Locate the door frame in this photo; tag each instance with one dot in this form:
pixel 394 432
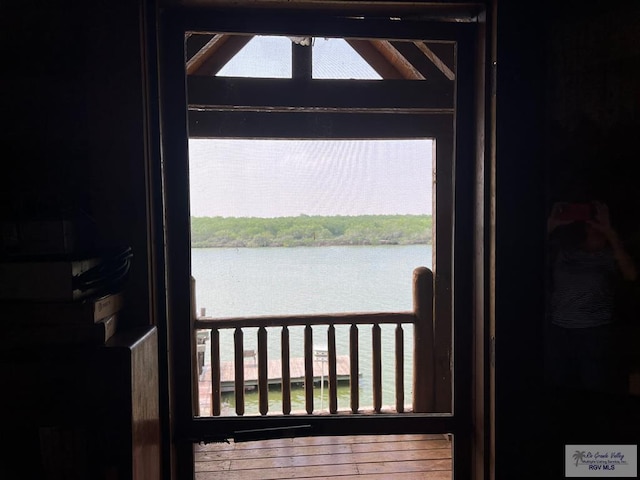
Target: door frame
pixel 174 22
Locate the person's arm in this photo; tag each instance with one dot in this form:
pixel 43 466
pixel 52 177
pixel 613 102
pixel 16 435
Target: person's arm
pixel 625 262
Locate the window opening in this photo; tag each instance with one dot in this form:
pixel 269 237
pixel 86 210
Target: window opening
pixel 263 57
pixel 299 227
pixel 334 58
pixel 285 170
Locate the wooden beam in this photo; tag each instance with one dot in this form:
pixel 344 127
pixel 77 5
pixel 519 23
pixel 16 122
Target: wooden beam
pixel 301 61
pixel 315 126
pixel 216 53
pixel 420 61
pixel 446 51
pixel 277 94
pixel 459 11
pixel 440 65
pixel 195 42
pixel 375 59
pixel 393 56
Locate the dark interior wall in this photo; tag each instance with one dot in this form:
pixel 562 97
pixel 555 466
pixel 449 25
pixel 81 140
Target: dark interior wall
pixel 73 136
pixel 593 114
pixel 591 152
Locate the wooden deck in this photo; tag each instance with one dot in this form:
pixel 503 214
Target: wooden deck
pixel 400 457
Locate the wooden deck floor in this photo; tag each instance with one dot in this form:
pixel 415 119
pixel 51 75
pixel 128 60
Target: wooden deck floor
pixel 400 457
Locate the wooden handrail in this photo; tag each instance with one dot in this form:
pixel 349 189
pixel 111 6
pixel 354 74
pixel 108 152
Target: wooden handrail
pixel 423 368
pixel 203 323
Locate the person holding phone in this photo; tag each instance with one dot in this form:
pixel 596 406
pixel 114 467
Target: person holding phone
pixel 587 262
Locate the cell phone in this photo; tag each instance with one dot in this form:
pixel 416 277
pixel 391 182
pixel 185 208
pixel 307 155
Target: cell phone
pixel 576 212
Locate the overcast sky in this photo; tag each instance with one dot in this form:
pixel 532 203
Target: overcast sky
pixel 272 178
pixel 271 57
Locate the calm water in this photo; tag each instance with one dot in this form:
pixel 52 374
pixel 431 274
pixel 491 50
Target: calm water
pixel 283 281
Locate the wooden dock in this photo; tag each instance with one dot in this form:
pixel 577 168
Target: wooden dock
pixel 274 375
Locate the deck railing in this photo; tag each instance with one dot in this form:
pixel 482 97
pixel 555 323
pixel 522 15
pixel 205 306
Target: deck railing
pixel 423 354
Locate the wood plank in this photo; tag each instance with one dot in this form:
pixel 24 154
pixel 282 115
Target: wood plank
pixel 281 473
pixel 403 445
pixel 437 475
pixel 302 446
pixel 432 460
pixel 434 475
pixel 411 466
pixel 320 440
pixel 369 457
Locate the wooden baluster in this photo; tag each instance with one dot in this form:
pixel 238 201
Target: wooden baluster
pixel 399 369
pixel 286 372
pixel 376 336
pixel 354 374
pixel 423 343
pixel 215 372
pixel 239 370
pixel 333 383
pixel 263 371
pixel 308 368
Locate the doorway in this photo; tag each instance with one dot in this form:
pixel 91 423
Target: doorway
pixel 302 108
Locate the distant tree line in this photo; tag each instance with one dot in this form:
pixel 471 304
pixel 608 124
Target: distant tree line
pixel 208 232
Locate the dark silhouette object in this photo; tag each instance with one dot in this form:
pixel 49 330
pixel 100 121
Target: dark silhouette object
pixel 587 265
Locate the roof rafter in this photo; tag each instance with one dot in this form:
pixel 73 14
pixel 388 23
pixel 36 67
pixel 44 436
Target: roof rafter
pixel 215 54
pixel 395 58
pixel 375 59
pixel 440 65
